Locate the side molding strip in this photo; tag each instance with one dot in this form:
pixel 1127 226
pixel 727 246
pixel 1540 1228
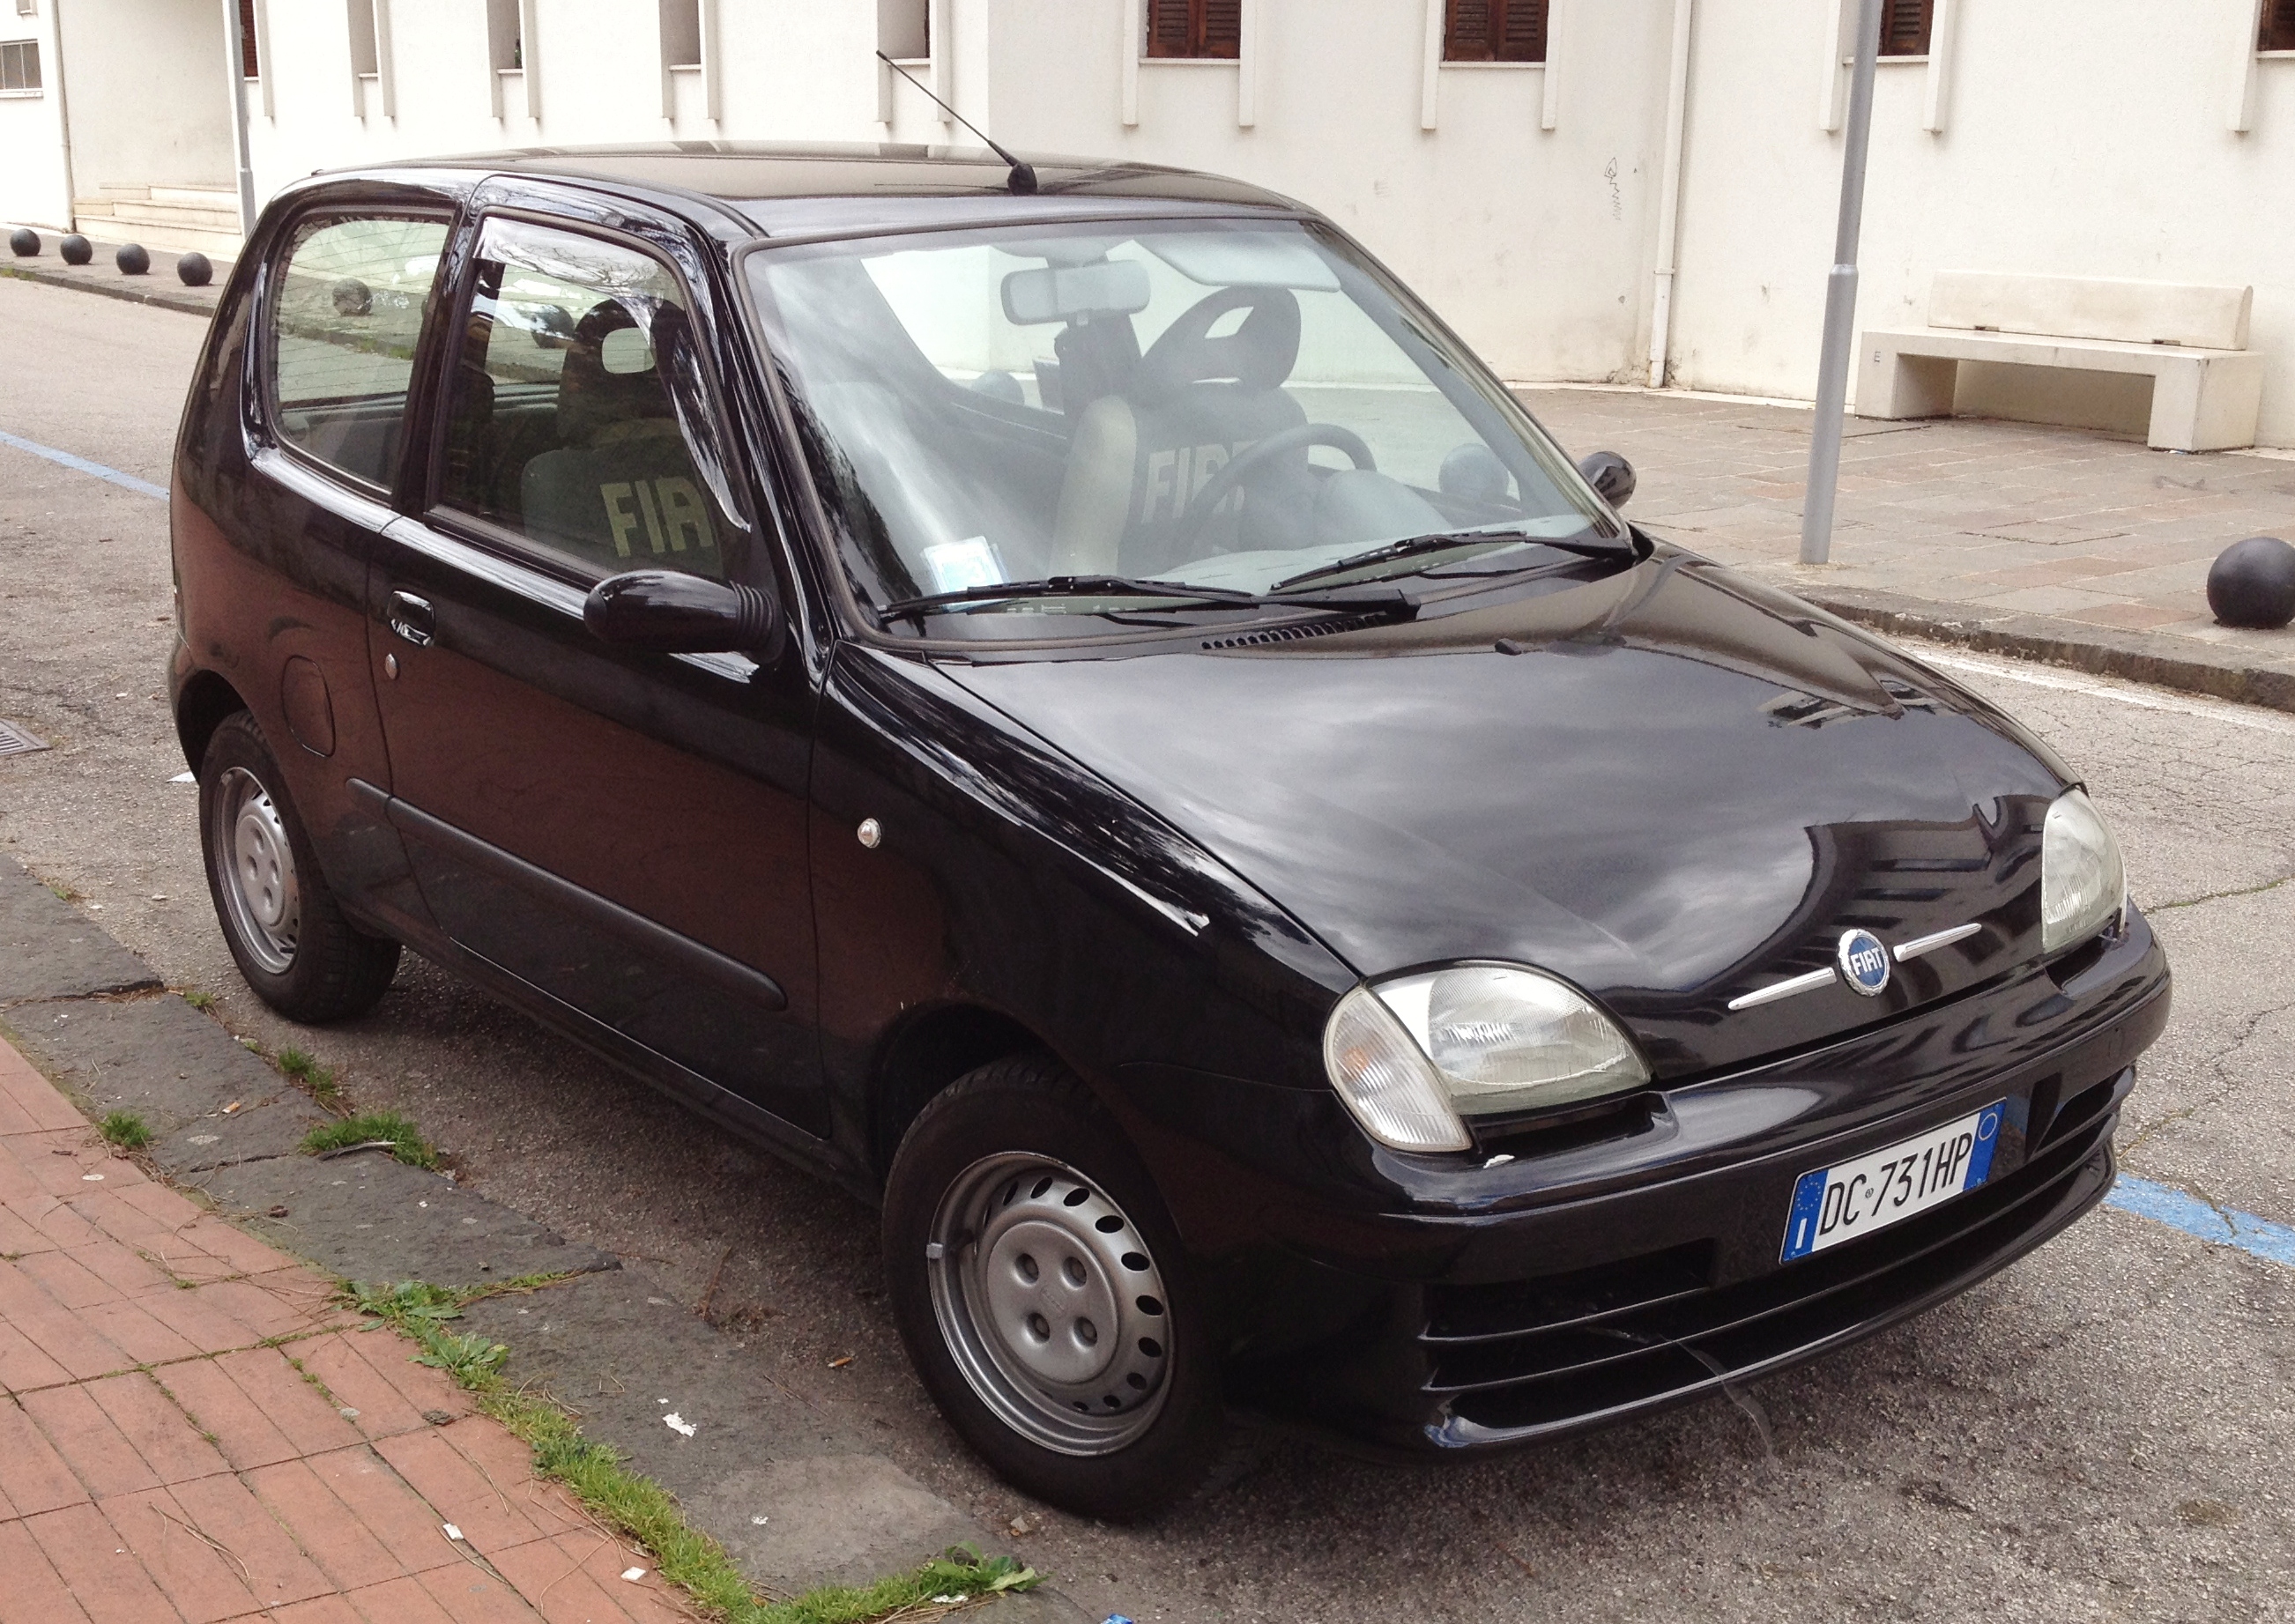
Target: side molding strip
pixel 705 963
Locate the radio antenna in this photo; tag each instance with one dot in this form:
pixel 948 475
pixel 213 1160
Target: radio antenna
pixel 1021 182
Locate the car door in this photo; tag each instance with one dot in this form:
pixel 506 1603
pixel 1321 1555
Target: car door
pixel 624 832
pixel 346 291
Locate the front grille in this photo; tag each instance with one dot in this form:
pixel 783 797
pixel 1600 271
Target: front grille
pixel 1543 1353
pixel 16 741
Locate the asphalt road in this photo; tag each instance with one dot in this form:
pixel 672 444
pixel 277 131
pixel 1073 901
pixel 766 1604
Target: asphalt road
pixel 2103 1431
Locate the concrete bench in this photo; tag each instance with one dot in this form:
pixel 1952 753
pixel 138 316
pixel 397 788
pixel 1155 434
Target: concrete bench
pixel 2207 386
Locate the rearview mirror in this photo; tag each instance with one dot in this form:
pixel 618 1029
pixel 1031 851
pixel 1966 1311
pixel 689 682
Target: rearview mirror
pixel 661 611
pixel 1611 475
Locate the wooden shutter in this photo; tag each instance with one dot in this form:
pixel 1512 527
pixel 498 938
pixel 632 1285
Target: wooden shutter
pixel 2278 26
pixel 1495 32
pixel 249 67
pixel 1905 26
pixel 1194 27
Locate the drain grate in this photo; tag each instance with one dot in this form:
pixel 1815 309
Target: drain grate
pixel 16 741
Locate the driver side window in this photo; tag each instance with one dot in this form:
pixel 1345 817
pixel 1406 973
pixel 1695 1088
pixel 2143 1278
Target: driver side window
pixel 574 417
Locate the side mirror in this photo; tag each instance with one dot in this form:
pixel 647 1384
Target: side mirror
pixel 663 612
pixel 1611 475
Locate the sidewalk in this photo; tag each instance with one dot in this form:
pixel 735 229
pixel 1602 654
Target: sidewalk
pixel 2061 544
pixel 189 1429
pixel 158 286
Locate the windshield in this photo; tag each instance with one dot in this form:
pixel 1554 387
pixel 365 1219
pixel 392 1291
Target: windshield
pixel 1211 405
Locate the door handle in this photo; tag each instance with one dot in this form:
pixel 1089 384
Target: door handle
pixel 413 619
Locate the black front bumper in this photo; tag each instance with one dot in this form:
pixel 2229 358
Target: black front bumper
pixel 1498 1307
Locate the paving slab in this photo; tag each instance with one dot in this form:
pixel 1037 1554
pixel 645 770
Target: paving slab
pixel 793 1489
pixel 2065 545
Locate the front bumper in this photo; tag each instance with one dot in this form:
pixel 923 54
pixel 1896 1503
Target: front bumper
pixel 1473 1307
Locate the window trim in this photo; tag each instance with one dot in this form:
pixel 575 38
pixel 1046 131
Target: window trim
pixel 1449 61
pixel 266 348
pixel 1146 42
pixel 427 505
pixel 27 93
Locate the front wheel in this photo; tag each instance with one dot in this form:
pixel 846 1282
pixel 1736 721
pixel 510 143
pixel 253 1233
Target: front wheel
pixel 278 917
pixel 1044 1297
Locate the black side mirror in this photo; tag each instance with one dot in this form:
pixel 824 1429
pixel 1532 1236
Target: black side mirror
pixel 1611 475
pixel 663 612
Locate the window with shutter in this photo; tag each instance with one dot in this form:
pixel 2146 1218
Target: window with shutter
pixel 2278 26
pixel 1905 27
pixel 247 65
pixel 1194 27
pixel 1495 32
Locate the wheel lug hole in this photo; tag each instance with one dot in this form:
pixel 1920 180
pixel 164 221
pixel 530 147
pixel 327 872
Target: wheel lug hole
pixel 1039 1327
pixel 1074 1269
pixel 1087 1332
pixel 1028 1269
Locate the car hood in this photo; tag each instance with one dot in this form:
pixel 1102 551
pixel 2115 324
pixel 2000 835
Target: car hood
pixel 1667 783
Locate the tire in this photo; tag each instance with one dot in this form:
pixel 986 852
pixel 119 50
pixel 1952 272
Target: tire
pixel 1045 1299
pixel 278 916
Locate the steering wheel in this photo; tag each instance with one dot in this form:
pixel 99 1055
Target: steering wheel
pixel 1215 489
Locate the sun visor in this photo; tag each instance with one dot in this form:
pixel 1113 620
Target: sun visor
pixel 1062 293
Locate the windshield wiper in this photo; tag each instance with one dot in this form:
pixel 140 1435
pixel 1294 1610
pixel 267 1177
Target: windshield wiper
pixel 1445 541
pixel 1125 586
pixel 1060 586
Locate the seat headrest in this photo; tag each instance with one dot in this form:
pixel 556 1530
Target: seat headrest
pixel 592 395
pixel 1259 355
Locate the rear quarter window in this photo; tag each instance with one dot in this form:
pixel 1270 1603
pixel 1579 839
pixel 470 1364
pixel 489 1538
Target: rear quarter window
pixel 346 314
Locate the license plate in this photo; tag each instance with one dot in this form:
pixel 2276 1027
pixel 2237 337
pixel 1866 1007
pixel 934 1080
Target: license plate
pixel 1839 1204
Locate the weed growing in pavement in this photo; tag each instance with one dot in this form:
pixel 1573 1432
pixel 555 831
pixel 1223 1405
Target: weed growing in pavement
pixel 125 1130
pixel 374 1127
pixel 306 1069
pixel 198 999
pixel 641 1508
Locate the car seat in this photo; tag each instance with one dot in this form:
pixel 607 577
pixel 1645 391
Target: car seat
pixel 1193 403
pixel 621 492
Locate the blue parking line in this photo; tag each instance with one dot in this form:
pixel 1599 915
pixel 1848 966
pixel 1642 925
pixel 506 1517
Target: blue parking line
pixel 141 488
pixel 2165 1204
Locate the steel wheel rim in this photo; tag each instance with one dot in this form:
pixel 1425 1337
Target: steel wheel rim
pixel 1051 1303
pixel 256 862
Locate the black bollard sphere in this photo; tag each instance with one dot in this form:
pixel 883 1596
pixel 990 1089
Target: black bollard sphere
pixel 194 270
pixel 77 250
pixel 130 259
pixel 24 242
pixel 2252 584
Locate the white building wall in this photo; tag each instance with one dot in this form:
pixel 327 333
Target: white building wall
pixel 33 190
pixel 148 91
pixel 2086 137
pixel 2083 138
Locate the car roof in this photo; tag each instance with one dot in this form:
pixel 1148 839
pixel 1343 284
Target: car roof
pixel 794 188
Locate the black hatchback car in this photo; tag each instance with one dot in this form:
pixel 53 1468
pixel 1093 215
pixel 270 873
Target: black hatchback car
pixel 1088 716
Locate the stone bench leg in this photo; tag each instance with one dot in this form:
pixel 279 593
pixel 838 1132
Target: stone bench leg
pixel 2209 404
pixel 1892 384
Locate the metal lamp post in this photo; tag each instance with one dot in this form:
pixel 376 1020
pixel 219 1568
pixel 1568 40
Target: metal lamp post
pixel 1841 302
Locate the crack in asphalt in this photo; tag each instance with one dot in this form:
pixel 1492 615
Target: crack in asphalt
pixel 2157 909
pixel 2213 1063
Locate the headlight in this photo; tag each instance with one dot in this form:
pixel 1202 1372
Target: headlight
pixel 2082 883
pixel 1413 1056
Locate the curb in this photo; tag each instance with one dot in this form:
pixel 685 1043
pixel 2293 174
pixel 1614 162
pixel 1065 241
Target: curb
pixel 98 276
pixel 2153 657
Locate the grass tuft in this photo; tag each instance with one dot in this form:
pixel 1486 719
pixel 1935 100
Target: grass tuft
pixel 406 1143
pixel 198 999
pixel 125 1130
pixel 636 1506
pixel 305 1068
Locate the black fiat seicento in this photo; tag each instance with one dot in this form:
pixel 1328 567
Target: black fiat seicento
pixel 1088 716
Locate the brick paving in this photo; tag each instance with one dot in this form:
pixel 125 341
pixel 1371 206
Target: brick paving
pixel 192 1432
pixel 2086 536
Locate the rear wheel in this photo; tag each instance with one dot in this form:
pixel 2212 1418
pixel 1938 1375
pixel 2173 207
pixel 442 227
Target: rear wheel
pixel 278 917
pixel 1044 1297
